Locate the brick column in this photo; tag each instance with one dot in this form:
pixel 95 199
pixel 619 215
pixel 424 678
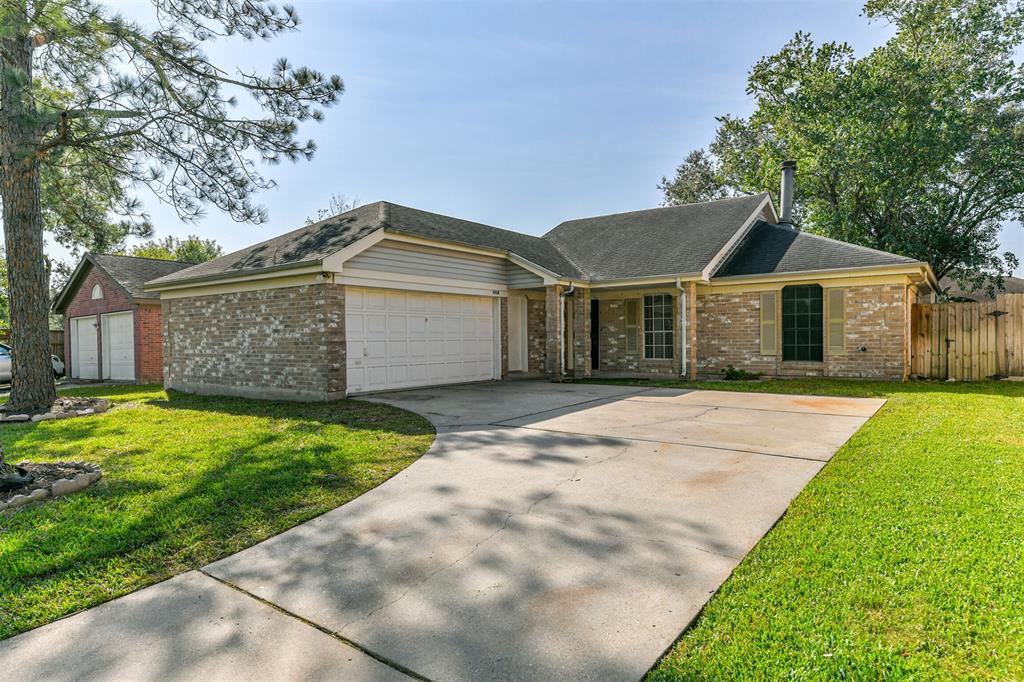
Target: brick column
pixel 503 306
pixel 691 329
pixel 581 333
pixel 554 331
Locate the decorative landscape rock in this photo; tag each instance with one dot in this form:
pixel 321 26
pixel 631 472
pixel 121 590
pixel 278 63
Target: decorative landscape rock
pixel 52 479
pixel 62 408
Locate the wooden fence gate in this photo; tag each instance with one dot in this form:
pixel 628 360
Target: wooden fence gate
pixel 968 341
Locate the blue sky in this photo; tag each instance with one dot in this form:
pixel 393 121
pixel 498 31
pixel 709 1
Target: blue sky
pixel 521 114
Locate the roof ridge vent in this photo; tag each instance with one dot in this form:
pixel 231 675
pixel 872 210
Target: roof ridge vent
pixel 383 212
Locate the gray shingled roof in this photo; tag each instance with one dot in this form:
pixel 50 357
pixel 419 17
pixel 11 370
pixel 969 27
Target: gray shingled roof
pixel 655 242
pixel 128 271
pixel 769 249
pixel 658 241
pixel 435 226
pixel 132 272
pixel 312 243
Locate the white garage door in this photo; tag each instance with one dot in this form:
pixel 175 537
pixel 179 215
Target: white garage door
pixel 84 350
pixel 118 346
pixel 401 339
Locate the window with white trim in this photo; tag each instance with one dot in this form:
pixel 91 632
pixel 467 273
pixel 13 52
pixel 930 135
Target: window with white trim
pixel 658 336
pixel 97 292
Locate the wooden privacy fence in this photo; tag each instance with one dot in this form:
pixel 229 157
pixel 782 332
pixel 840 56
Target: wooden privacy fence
pixel 56 340
pixel 968 341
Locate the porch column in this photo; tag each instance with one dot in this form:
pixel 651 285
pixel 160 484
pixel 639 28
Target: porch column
pixel 691 330
pixel 554 332
pixel 581 333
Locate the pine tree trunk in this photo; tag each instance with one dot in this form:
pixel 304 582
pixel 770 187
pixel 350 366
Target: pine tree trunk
pixel 32 384
pixel 5 468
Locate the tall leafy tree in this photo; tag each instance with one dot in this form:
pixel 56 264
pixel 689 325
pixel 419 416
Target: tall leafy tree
pixel 192 249
pixel 913 148
pixel 103 104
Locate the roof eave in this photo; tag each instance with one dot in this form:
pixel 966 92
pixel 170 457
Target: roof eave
pixel 158 285
pixel 909 267
pixel 646 279
pixel 59 304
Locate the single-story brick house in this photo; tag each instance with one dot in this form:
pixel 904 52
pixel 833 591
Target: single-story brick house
pixel 385 297
pixel 113 328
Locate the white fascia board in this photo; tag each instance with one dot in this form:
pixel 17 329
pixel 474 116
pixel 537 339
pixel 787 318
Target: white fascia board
pixel 724 252
pixel 641 281
pixel 545 274
pixel 255 277
pixel 915 268
pixel 333 262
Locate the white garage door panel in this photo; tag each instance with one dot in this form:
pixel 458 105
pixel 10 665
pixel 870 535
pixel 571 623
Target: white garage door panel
pixel 118 346
pixel 84 349
pixel 401 339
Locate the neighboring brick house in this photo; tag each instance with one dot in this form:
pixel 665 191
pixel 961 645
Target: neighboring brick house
pixel 113 327
pixel 384 297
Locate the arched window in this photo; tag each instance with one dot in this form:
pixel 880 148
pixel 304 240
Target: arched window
pixel 97 292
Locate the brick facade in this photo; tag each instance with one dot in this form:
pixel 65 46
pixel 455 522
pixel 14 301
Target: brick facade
pixel 581 333
pixel 149 343
pixel 614 358
pixel 553 332
pixel 147 322
pixel 286 343
pixel 536 336
pixel 729 333
pixel 503 325
pixel 876 320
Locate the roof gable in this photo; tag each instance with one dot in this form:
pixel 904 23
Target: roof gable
pixel 655 242
pixel 313 243
pixel 128 272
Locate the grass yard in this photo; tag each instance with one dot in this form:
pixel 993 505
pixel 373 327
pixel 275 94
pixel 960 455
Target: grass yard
pixel 902 559
pixel 186 480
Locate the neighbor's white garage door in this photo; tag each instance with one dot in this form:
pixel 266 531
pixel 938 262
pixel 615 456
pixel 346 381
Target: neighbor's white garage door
pixel 118 346
pixel 401 339
pixel 84 349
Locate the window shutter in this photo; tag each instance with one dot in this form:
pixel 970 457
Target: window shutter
pixel 769 332
pixel 632 326
pixel 837 319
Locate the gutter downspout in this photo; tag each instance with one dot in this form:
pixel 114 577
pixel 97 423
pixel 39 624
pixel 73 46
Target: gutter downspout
pixel 561 326
pixel 682 327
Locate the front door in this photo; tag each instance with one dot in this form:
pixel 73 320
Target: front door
pixel 595 334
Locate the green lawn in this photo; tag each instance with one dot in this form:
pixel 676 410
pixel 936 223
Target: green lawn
pixel 902 559
pixel 187 480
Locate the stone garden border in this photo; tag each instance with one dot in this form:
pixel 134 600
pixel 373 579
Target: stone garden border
pixel 96 406
pixel 65 486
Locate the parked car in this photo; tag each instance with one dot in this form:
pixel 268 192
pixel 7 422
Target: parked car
pixel 5 364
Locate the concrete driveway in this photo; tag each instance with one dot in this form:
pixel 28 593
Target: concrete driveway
pixel 553 531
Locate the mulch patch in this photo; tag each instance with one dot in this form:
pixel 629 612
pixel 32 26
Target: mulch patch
pixel 46 473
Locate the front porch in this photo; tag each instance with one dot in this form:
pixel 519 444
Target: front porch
pixel 577 332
